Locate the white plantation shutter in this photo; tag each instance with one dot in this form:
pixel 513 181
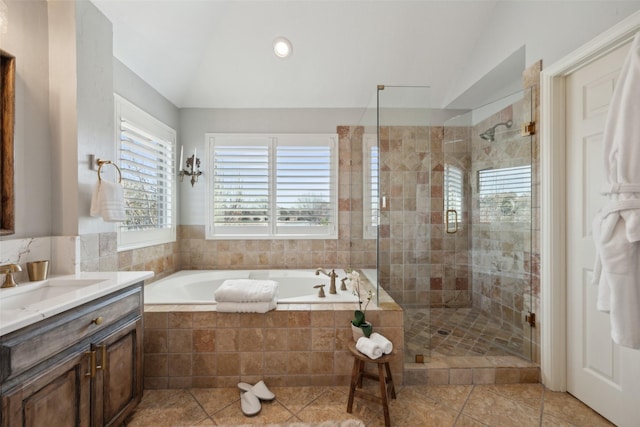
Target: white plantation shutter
pixel 453 194
pixel 145 156
pixel 371 194
pixel 240 182
pixel 272 186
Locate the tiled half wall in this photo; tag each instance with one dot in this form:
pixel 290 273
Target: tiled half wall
pixel 295 345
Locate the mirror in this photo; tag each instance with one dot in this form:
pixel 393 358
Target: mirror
pixel 7 105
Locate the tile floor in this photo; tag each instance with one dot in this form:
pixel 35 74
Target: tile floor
pixel 438 332
pixel 450 405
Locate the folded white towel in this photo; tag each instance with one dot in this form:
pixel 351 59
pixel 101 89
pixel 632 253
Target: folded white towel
pixel 384 343
pixel 107 201
pixel 246 307
pixel 246 290
pixel 369 348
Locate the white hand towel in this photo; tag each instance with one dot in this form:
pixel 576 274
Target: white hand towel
pixel 246 307
pixel 384 343
pixel 108 200
pixel 246 290
pixel 369 348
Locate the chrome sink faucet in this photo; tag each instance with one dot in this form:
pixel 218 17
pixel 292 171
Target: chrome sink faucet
pixel 9 269
pixel 332 276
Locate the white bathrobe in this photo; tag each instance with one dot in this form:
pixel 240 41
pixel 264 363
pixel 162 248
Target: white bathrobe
pixel 616 227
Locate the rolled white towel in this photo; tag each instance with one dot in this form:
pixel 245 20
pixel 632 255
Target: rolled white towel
pixel 384 343
pixel 369 348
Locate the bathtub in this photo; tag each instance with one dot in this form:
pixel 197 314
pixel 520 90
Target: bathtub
pixel 198 286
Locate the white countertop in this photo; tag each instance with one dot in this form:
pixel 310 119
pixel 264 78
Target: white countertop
pixel 31 302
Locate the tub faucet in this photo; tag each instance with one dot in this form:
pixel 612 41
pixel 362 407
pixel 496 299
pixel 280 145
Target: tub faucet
pixel 320 290
pixel 9 269
pixel 332 276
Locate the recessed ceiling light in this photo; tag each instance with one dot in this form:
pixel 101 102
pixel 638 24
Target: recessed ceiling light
pixel 282 47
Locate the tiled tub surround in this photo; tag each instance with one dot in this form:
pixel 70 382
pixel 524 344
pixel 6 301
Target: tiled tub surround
pixel 294 345
pixel 99 252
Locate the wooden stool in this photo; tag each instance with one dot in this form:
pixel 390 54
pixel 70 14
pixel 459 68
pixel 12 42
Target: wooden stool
pixel 358 373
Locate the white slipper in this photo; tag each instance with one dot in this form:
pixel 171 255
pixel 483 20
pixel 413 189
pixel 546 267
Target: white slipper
pixel 249 403
pixel 260 390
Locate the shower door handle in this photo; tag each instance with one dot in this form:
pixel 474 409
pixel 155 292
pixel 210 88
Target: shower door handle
pixel 455 221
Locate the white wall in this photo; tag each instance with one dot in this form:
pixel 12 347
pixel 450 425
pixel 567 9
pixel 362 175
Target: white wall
pixel 548 30
pixel 95 117
pixel 131 87
pixel 27 40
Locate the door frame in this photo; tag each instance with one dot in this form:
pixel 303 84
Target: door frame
pixel 553 333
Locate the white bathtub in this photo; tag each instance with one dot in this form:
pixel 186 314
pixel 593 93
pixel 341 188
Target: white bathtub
pixel 198 286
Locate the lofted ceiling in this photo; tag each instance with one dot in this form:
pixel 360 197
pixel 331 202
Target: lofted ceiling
pixel 219 54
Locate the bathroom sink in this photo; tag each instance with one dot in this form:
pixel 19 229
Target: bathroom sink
pixel 28 294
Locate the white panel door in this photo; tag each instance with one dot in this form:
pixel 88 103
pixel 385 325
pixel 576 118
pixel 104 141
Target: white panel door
pixel 600 373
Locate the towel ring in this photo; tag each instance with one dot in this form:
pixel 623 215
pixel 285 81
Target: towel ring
pixel 108 162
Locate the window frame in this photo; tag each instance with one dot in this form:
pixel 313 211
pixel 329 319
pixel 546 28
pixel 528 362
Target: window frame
pixel 133 239
pixel 272 230
pixel 500 193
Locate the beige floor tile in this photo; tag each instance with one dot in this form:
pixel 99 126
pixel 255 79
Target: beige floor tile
pixel 459 405
pixel 176 410
pixel 215 399
pixel 567 408
pixel 418 412
pixel 464 421
pixel 297 398
pixel 453 396
pixel 551 421
pixel 156 398
pixel 496 410
pixel 527 394
pixel 332 405
pixel 271 413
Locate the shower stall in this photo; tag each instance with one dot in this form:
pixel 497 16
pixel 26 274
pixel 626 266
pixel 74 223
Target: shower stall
pixel 450 209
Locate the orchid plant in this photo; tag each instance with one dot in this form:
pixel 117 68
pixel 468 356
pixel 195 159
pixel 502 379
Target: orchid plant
pixel 359 319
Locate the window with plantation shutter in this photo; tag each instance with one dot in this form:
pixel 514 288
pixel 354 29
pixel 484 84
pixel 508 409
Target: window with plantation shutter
pixel 505 194
pixel 453 195
pixel 146 148
pixel 371 195
pixel 272 186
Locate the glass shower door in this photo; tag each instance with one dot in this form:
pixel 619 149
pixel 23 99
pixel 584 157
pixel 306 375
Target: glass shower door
pixel 404 195
pixel 480 304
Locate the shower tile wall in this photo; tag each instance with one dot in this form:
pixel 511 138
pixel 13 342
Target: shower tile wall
pixel 450 276
pixel 404 237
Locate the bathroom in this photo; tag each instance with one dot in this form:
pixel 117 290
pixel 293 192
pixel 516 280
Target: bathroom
pixel 54 178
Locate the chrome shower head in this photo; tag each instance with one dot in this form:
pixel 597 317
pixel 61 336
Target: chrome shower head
pixel 489 134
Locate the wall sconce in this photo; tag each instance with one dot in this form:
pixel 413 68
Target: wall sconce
pixel 193 167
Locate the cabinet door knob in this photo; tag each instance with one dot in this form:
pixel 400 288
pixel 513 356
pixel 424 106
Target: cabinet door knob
pixel 97 320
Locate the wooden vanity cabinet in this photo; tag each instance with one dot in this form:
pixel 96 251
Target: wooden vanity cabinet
pixel 92 378
pixel 117 388
pixel 57 397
